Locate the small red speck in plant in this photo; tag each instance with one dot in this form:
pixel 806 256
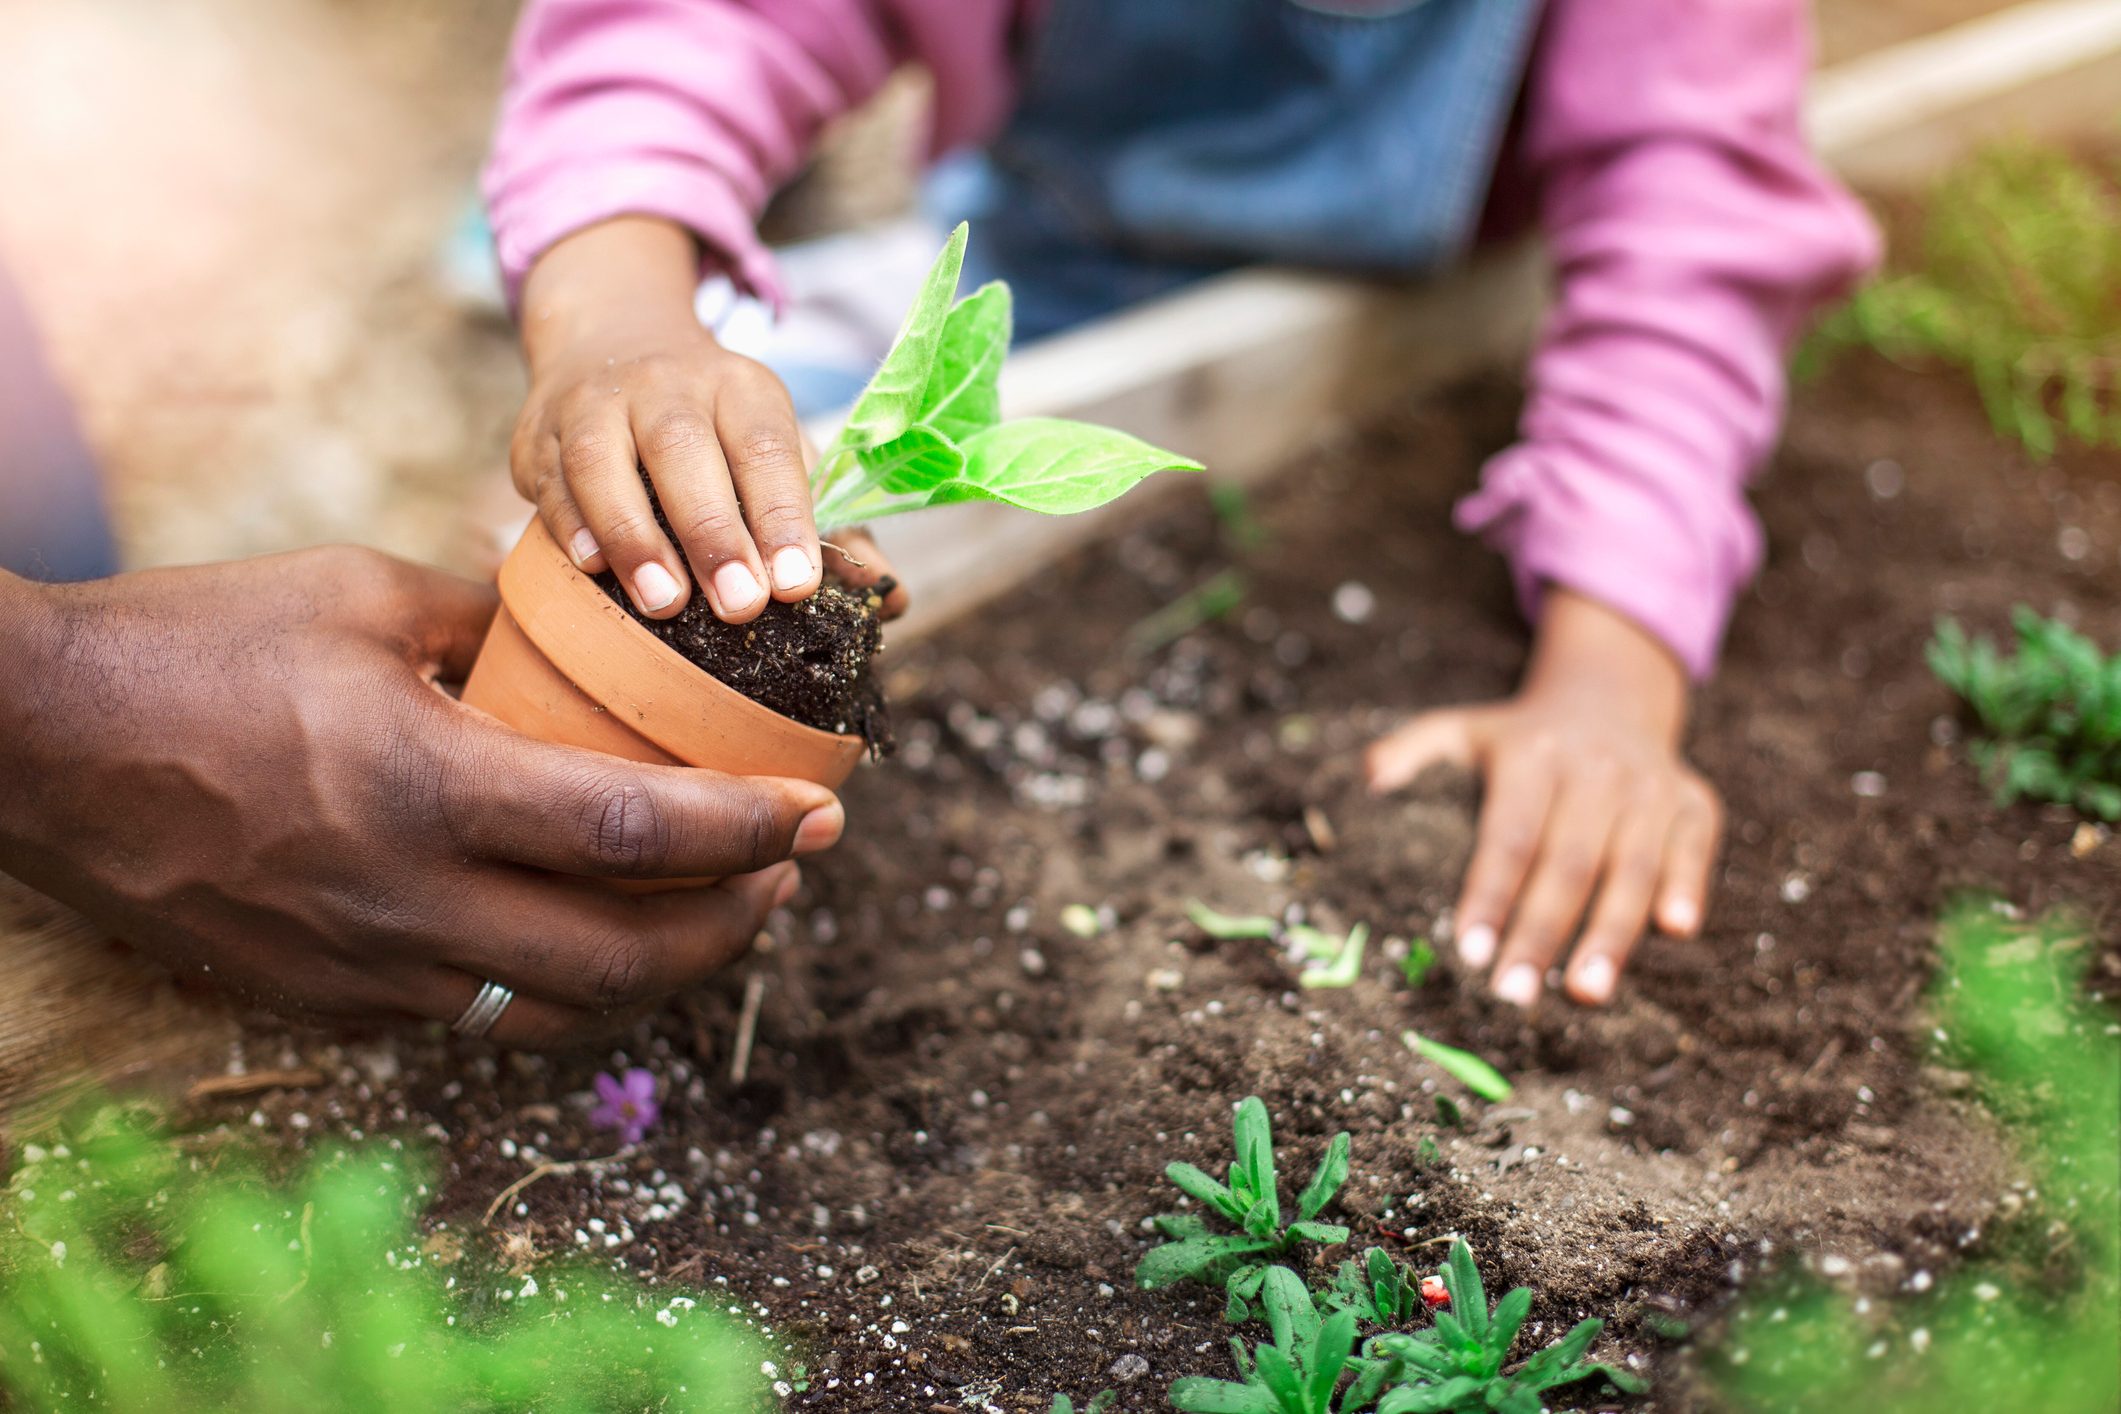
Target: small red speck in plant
pixel 1434 1293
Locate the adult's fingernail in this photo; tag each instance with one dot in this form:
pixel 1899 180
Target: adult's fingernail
pixel 583 547
pixel 792 568
pixel 654 587
pixel 1519 986
pixel 1594 979
pixel 790 882
pixel 1680 915
pixel 820 829
pixel 1477 945
pixel 736 586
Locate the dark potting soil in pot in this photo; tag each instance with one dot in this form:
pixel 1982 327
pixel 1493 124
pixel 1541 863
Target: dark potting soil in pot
pixel 809 661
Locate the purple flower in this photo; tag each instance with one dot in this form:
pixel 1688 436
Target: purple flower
pixel 628 1104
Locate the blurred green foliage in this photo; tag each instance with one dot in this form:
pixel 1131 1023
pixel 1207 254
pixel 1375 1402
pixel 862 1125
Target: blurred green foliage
pixel 2036 1328
pixel 2015 277
pixel 2051 712
pixel 139 1272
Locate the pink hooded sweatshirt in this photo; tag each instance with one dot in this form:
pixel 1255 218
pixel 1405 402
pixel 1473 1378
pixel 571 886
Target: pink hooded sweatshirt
pixel 1658 142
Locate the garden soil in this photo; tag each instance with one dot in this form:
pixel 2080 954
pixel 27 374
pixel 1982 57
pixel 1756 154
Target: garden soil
pixel 934 1175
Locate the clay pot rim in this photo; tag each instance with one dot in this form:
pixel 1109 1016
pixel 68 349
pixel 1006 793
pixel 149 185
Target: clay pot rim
pixel 538 563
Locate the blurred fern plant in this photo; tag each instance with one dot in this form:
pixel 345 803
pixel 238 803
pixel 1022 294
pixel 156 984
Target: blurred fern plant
pixel 2051 711
pixel 2017 281
pixel 138 1273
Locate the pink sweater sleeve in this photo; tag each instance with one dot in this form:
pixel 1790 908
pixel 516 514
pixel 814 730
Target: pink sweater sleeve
pixel 1692 234
pixel 695 110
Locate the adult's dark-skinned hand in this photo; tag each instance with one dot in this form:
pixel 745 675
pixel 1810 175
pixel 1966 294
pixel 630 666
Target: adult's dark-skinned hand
pixel 246 770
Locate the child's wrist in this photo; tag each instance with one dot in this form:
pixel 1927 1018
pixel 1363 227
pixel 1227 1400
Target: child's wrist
pixel 631 277
pixel 1586 646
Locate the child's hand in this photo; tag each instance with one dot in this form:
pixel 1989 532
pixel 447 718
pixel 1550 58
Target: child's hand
pixel 1585 789
pixel 624 377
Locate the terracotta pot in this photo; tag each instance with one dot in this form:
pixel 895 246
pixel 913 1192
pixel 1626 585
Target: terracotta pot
pixel 564 663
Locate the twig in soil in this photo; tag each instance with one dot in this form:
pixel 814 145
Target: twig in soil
pixel 1825 1058
pixel 215 1087
pixel 543 1170
pixel 747 1028
pixel 1003 1262
pixel 1211 599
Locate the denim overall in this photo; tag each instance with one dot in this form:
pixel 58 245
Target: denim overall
pixel 1158 141
pixel 52 524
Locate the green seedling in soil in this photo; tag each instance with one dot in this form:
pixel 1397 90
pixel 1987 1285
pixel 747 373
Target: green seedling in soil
pixel 1249 1202
pixel 1213 598
pixel 1345 964
pixel 1468 1069
pixel 1428 1154
pixel 928 429
pixel 1233 509
pixel 1377 1289
pixel 1455 1366
pixel 1225 927
pixel 1081 920
pixel 1298 1373
pixel 1097 1405
pixel 1420 959
pixel 2016 281
pixel 1448 1113
pixel 142 1272
pixel 2051 712
pixel 2034 1321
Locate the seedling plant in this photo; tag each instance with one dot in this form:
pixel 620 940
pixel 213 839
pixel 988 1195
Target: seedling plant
pixel 1316 1359
pixel 2051 712
pixel 928 430
pixel 1250 1202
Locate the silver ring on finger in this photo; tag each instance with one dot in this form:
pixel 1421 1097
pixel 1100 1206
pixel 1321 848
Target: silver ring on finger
pixel 484 1011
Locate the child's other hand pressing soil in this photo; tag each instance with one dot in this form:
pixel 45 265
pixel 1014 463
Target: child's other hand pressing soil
pixel 1586 792
pixel 624 377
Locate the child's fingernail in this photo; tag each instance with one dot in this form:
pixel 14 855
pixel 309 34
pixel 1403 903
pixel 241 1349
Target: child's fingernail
pixel 1681 916
pixel 1477 944
pixel 583 546
pixel 1594 979
pixel 792 568
pixel 1519 986
pixel 736 586
pixel 657 590
pixel 820 829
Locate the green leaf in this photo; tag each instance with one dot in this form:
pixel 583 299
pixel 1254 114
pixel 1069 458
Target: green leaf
pixel 1225 926
pixel 1345 967
pixel 1202 1188
pixel 1053 466
pixel 1179 1226
pixel 892 401
pixel 1469 1300
pixel 1291 1316
pixel 915 460
pixel 1180 1261
pixel 1508 1318
pixel 1255 1154
pixel 1429 1399
pixel 1327 1234
pixel 1196 1394
pixel 1278 1373
pixel 1317 944
pixel 1468 1069
pixel 1332 1173
pixel 1336 1342
pixel 1416 965
pixel 962 395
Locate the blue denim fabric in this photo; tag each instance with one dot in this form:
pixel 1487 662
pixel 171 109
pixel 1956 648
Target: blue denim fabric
pixel 52 522
pixel 1158 141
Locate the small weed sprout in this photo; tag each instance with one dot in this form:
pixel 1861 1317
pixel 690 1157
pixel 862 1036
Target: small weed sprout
pixel 1419 961
pixel 1468 1069
pixel 1455 1366
pixel 2051 711
pixel 1377 1289
pixel 1251 1203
